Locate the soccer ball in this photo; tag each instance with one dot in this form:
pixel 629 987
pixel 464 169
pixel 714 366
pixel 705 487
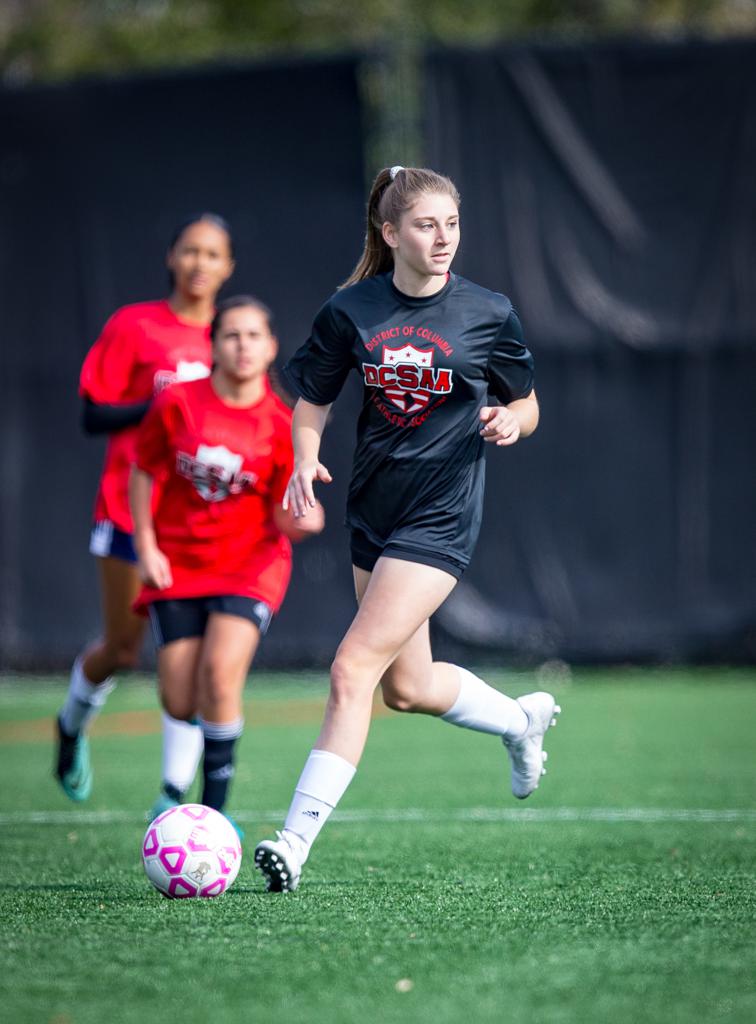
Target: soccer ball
pixel 191 850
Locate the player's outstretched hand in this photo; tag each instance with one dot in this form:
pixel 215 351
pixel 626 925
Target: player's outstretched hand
pixel 299 496
pixel 155 569
pixel 500 425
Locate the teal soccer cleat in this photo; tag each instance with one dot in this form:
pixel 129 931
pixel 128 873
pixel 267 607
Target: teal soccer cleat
pixel 163 802
pixel 73 770
pixel 236 826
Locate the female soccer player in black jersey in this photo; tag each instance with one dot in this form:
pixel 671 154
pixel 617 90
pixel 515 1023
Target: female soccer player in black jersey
pixel 429 347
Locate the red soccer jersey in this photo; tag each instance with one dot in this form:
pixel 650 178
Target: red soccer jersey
pixel 141 350
pixel 223 471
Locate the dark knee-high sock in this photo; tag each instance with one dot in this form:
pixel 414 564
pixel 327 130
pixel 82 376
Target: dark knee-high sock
pixel 218 763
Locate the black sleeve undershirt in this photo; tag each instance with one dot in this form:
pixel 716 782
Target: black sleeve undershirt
pixel 98 418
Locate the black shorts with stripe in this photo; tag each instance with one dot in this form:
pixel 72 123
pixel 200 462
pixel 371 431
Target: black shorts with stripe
pixel 184 617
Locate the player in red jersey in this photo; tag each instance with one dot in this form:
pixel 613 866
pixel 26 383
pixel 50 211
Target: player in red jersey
pixel 215 555
pixel 142 349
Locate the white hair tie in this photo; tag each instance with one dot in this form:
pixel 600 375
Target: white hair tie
pixel 395 170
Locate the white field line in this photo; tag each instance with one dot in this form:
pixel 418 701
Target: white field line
pixel 548 815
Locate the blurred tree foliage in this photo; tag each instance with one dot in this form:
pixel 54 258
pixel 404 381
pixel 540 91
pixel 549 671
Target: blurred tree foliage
pixel 57 39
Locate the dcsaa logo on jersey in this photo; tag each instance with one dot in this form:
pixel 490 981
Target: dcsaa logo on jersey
pixel 186 370
pixel 216 472
pixel 408 378
pixel 191 370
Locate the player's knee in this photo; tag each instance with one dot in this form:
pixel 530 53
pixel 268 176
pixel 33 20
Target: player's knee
pixel 399 701
pixel 178 706
pixel 400 696
pixel 405 690
pixel 348 683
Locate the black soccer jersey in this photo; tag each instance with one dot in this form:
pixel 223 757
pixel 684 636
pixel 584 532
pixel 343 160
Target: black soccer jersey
pixel 426 365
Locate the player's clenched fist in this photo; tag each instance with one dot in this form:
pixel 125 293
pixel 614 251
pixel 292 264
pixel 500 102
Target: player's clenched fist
pixel 155 569
pixel 500 425
pixel 298 528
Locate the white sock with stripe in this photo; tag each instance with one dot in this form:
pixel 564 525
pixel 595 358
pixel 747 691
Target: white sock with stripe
pixel 482 708
pixel 324 780
pixel 84 699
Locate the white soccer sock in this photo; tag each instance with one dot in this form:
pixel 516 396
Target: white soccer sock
pixel 84 699
pixel 183 744
pixel 484 709
pixel 321 785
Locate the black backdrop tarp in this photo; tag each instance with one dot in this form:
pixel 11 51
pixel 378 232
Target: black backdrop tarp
pixel 93 179
pixel 609 190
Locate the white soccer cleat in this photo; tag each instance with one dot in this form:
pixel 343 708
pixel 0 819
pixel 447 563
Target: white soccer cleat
pixel 279 864
pixel 526 753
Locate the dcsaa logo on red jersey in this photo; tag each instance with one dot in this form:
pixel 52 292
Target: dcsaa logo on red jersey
pixel 408 378
pixel 185 370
pixel 216 472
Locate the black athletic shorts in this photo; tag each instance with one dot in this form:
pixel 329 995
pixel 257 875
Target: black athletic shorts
pixel 107 541
pixel 365 553
pixel 180 618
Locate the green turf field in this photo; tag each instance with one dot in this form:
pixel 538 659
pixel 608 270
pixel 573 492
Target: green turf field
pixel 622 891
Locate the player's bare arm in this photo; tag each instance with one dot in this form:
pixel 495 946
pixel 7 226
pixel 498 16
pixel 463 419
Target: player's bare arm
pixel 154 567
pixel 307 429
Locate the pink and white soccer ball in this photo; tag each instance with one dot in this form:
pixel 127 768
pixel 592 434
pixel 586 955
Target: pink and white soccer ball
pixel 191 850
